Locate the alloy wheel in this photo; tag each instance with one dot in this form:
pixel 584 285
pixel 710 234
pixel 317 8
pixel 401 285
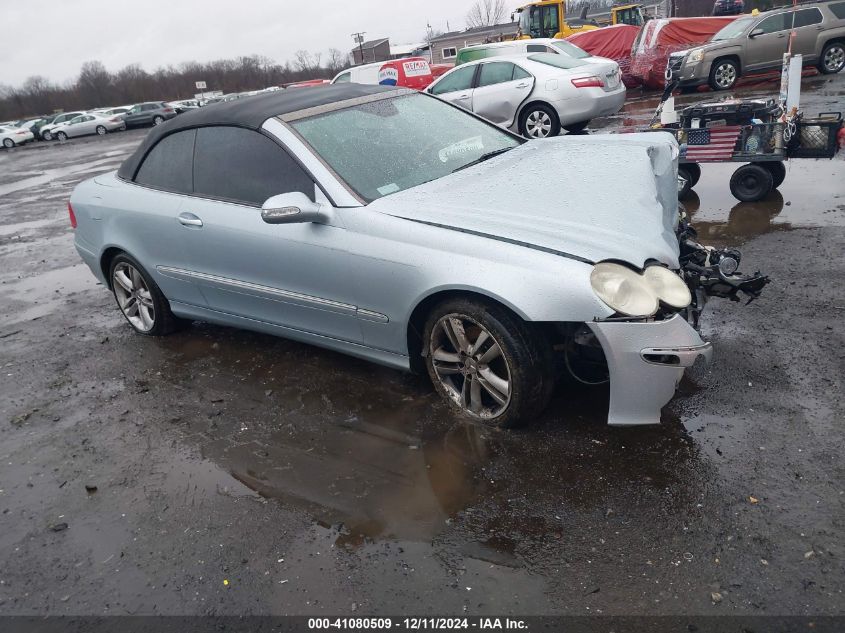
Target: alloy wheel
pixel 158 120
pixel 8 143
pixel 725 75
pixel 470 365
pixel 61 136
pixel 134 297
pixel 47 136
pixel 538 124
pixel 101 130
pixel 834 58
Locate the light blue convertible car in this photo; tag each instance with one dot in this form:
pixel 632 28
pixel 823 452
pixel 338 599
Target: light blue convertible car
pixel 392 226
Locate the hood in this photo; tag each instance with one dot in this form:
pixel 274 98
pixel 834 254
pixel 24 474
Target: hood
pixel 587 197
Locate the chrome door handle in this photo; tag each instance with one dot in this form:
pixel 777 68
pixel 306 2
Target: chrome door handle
pixel 781 35
pixel 522 85
pixel 462 97
pixel 189 219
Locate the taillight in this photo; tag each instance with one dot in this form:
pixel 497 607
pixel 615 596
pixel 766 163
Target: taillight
pixel 587 82
pixel 71 215
pixel 167 110
pixel 115 120
pixel 21 132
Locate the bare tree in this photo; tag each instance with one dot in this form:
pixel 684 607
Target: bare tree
pixel 306 62
pixel 337 61
pixel 486 13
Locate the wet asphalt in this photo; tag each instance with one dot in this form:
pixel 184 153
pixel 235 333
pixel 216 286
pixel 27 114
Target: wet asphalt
pixel 218 471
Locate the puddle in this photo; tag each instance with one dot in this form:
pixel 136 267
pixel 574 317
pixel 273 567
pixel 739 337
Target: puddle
pixel 50 175
pixel 14 229
pixel 40 295
pixel 372 454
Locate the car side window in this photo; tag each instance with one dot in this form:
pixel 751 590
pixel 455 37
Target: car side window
pixel 460 79
pixel 838 10
pixel 169 164
pixel 773 24
pixel 344 78
pixel 495 73
pixel 520 73
pixel 245 166
pixel 536 48
pixel 807 17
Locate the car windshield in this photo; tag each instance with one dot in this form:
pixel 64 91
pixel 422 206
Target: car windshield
pixel 558 61
pixel 567 48
pixel 733 29
pixel 391 144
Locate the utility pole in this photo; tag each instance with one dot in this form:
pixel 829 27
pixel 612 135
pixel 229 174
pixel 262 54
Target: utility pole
pixel 359 39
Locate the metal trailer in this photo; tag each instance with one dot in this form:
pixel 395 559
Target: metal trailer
pixel 763 147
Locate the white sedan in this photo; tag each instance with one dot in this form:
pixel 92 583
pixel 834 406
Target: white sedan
pixel 89 123
pixel 12 136
pixel 536 94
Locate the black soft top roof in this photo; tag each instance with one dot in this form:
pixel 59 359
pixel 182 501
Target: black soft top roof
pixel 249 112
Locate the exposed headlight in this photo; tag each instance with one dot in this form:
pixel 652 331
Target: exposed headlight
pixel 634 294
pixel 668 286
pixel 695 55
pixel 623 289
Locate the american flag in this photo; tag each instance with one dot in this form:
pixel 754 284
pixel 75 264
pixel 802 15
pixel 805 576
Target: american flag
pixel 712 144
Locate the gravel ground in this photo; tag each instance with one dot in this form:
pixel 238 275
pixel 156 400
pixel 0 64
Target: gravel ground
pixel 217 471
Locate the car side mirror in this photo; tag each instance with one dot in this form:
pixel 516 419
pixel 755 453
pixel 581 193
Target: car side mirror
pixel 755 33
pixel 292 208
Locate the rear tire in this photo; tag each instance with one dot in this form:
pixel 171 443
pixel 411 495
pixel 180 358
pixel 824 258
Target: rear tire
pixel 8 143
pixel 140 300
pixel 778 171
pixel 833 58
pixel 751 183
pixel 47 136
pixel 487 363
pixel 101 130
pixel 158 120
pixel 539 121
pixel 574 128
pixel 723 74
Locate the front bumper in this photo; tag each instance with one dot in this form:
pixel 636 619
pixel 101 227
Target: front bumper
pixel 646 360
pixel 688 74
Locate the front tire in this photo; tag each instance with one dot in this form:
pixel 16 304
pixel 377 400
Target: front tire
pixel 723 74
pixel 833 58
pixel 751 183
pixel 61 136
pixel 487 363
pixel 539 121
pixel 140 300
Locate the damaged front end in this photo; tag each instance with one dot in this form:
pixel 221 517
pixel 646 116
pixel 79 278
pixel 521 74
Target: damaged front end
pixel 712 272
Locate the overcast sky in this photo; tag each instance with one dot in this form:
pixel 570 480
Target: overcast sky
pixel 54 37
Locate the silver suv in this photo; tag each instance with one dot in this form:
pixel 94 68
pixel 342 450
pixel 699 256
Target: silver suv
pixel 755 43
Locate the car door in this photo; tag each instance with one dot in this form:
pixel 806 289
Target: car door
pixel 500 89
pixel 85 125
pixel 456 86
pixel 147 225
pixel 293 275
pixel 808 25
pixel 767 42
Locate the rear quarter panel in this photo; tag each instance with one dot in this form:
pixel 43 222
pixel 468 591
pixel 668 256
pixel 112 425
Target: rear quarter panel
pixel 114 214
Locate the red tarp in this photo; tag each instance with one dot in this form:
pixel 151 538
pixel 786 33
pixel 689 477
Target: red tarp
pixel 613 42
pixel 659 38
